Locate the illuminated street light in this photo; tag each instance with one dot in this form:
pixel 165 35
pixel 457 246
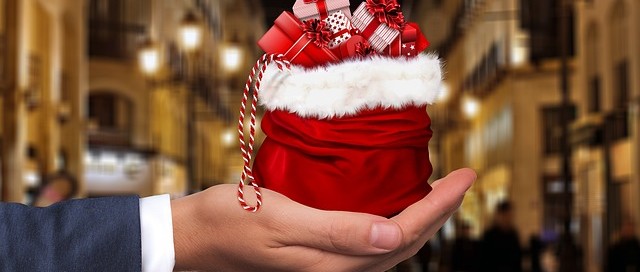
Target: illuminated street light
pixel 190 32
pixel 228 137
pixel 470 107
pixel 232 56
pixel 149 58
pixel 519 53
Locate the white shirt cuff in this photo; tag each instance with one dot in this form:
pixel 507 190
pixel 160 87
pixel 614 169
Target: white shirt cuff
pixel 157 234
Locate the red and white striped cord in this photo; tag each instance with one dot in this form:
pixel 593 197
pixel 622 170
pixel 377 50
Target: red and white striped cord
pixel 259 67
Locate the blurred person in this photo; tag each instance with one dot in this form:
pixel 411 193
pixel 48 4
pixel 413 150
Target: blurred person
pixel 549 260
pixel 464 252
pixel 210 231
pixel 500 246
pixel 624 255
pixel 536 247
pixel 56 188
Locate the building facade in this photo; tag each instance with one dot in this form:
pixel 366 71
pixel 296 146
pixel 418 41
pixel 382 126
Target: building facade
pixel 43 78
pixel 605 134
pixel 500 113
pixel 79 93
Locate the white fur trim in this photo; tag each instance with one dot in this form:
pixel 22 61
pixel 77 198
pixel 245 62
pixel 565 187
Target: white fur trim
pixel 343 89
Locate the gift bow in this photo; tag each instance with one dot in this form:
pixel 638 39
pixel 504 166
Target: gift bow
pixel 387 12
pixel 318 32
pixel 364 49
pixel 310 1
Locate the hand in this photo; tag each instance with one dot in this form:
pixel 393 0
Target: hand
pixel 212 232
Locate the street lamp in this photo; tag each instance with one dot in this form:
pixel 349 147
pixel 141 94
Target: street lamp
pixel 232 57
pixel 228 138
pixel 149 58
pixel 470 107
pixel 190 32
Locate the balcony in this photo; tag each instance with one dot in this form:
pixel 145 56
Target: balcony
pixel 616 125
pixel 109 137
pixel 594 129
pixel 115 40
pixel 587 131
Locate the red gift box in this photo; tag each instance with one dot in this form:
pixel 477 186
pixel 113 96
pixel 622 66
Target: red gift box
pixel 380 26
pixel 288 37
pixel 349 48
pixel 410 43
pixel 356 46
pixel 320 9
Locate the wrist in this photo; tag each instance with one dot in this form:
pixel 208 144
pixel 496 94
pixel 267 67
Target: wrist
pixel 184 234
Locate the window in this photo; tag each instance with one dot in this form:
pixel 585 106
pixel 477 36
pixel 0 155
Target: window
pixel 117 27
pixel 102 110
pixel 110 116
pixel 621 82
pixel 620 54
pixel 593 69
pixel 541 18
pixel 594 94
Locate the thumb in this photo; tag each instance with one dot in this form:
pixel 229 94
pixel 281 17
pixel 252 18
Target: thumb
pixel 446 197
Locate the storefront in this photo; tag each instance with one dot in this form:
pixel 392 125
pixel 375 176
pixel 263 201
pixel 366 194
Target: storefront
pixel 127 172
pixel 117 172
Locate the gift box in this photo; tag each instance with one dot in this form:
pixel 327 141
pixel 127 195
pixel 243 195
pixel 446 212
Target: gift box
pixel 348 49
pixel 352 136
pixel 410 43
pixel 297 43
pixel 380 21
pixel 356 46
pixel 320 9
pixel 340 27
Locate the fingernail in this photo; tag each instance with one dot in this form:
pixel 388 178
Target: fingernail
pixel 385 235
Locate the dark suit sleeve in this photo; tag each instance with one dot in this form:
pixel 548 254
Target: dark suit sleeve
pixel 80 235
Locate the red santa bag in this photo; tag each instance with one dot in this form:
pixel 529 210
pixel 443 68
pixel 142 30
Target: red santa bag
pixel 351 136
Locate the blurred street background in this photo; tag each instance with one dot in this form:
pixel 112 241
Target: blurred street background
pixel 542 99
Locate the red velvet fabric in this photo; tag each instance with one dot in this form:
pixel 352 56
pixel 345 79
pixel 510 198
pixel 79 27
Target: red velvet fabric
pixel 375 162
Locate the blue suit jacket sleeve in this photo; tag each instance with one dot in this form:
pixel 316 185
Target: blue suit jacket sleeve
pixel 100 234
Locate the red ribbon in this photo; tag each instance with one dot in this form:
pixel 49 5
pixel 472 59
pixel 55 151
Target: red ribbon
pixel 297 48
pixel 352 31
pixel 318 32
pixel 339 33
pixel 322 7
pixel 387 12
pixel 315 31
pixel 368 31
